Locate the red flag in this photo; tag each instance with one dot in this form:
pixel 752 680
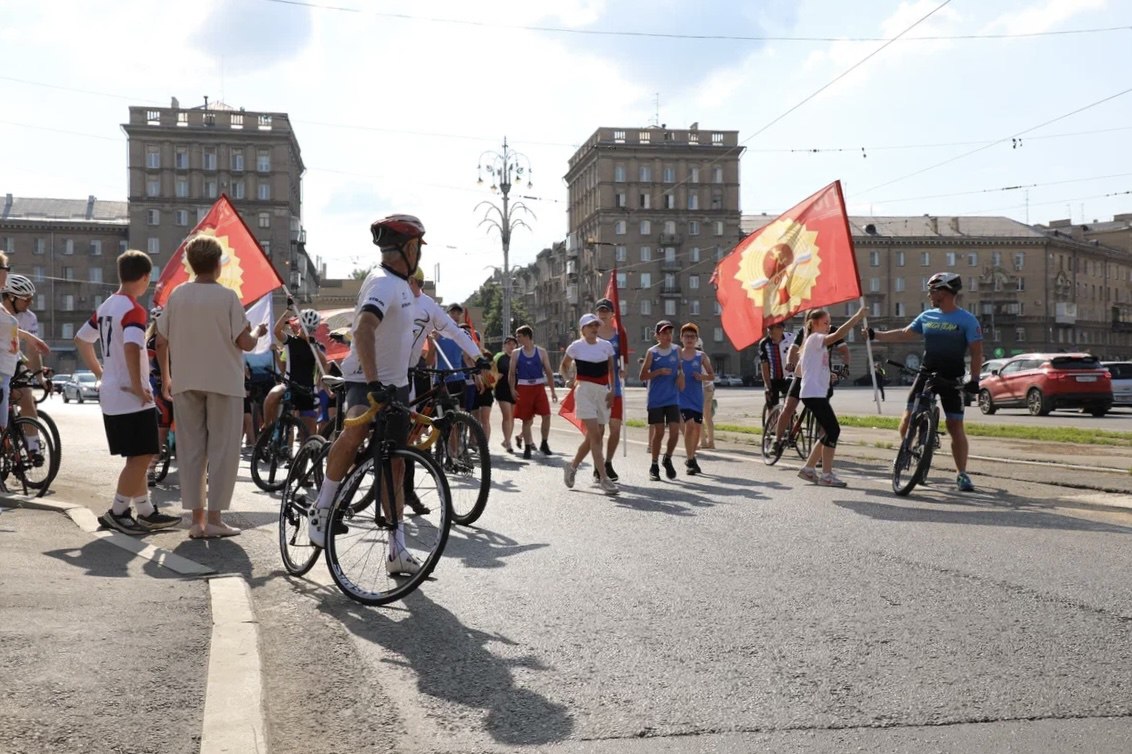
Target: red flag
pixel 622 337
pixel 245 268
pixel 566 411
pixel 802 260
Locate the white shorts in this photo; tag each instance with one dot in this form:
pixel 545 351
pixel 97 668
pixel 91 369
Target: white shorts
pixel 589 401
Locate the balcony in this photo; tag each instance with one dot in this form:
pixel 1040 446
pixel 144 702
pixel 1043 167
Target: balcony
pixel 670 290
pixel 671 265
pixel 1065 313
pixel 669 239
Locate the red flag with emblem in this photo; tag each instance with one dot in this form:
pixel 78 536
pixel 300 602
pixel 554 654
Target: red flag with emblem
pixel 622 337
pixel 244 267
pixel 804 259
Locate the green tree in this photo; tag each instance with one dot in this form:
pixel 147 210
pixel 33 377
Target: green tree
pixel 359 273
pixel 490 297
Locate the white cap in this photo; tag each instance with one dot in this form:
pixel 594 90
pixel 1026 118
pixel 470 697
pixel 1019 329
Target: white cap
pixel 588 319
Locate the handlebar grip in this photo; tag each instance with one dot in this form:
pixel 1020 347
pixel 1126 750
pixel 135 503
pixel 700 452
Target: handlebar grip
pixel 895 363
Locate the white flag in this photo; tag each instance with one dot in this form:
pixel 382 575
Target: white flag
pixel 260 313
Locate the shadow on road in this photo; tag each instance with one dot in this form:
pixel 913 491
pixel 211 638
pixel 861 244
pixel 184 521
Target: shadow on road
pixel 484 548
pixel 452 662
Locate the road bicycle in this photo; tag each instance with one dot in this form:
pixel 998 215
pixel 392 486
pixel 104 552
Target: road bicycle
pixel 25 380
pixel 279 441
pixel 34 469
pixel 165 456
pixel 921 437
pixel 801 435
pixel 357 541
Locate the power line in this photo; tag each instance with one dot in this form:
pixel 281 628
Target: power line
pixel 1002 188
pixel 693 37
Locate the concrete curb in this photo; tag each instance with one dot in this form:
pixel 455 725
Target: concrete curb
pixel 233 702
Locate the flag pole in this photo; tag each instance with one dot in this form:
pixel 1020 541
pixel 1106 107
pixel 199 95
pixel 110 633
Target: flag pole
pixel 872 364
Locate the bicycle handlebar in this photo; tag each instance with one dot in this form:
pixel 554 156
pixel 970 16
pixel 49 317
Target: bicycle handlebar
pixel 376 406
pixel 445 372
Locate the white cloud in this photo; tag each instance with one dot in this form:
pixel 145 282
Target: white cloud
pixel 1042 17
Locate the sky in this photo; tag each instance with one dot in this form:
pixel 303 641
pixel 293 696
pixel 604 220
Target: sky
pixel 1019 108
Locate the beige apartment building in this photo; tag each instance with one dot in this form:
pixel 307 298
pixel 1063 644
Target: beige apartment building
pixel 181 160
pixel 68 248
pixel 662 206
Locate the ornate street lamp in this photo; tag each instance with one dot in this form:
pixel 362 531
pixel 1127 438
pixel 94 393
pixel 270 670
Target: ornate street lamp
pixel 503 168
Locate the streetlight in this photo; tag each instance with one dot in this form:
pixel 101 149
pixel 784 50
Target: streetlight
pixel 503 168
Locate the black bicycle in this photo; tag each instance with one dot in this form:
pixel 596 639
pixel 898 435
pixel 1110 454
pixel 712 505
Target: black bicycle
pixel 801 435
pixel 279 441
pixel 921 437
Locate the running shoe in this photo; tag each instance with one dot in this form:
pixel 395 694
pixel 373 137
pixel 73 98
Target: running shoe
pixel 830 480
pixel 810 475
pixel 124 522
pixel 608 487
pixel 609 472
pixel 316 526
pixel 402 564
pixel 669 469
pixel 544 448
pixel 964 483
pixel 568 474
pixel 693 467
pixel 654 472
pixel 158 520
pixel 527 452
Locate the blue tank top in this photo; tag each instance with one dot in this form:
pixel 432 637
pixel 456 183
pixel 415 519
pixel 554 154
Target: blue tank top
pixel 662 388
pixel 615 341
pixel 692 396
pixel 528 369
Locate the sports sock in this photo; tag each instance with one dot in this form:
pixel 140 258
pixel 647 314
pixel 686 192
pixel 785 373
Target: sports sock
pixel 327 492
pixel 142 505
pixel 33 444
pixel 397 541
pixel 121 504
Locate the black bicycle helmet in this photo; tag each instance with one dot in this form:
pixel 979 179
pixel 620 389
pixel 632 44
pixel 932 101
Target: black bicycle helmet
pixel 393 231
pixel 946 281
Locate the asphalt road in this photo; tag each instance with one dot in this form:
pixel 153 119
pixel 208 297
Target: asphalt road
pixel 742 610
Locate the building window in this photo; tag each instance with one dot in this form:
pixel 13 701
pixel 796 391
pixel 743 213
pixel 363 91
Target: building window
pixel 874 285
pixel 210 190
pixel 208 158
pixel 619 228
pixel 646 281
pixel 996 259
pixel 263 161
pixel 236 158
pixel 622 307
pixel 153 246
pixel 693 227
pixel 123 245
pixel 153 217
pixel 181 188
pixel 96 248
pixel 693 201
pixel 874 309
pixel 898 285
pixel 669 201
pixel 96 274
pixel 717 174
pixel 694 307
pixel 201 212
pixel 670 227
pixel 37 273
pixel 619 137
pixel 874 259
pixel 717 335
pixel 669 174
pixel 718 253
pixel 647 334
pixel 40 301
pixel 68 273
pixel 152 118
pixel 1020 283
pixel 263 219
pixel 973 283
pixel 925 259
pixel 669 308
pixel 620 253
pixel 67 330
pixel 618 173
pixel 238 191
pixel 264 123
pixel 619 200
pixel 646 253
pixel 950 258
pixel 900 259
pixel 152 158
pixel 972 259
pixel 716 309
pixel 646 227
pixel 645 174
pixel 695 253
pixel 719 227
pixel 646 201
pixel 646 306
pixel 694 282
pixel 152 186
pixel 181 217
pixel 69 246
pixel 622 280
pixel 1020 334
pixel 181 158
pixel 266 246
pixel 1019 260
pixel 263 191
pixel 694 174
pixel 40 246
pixel 899 310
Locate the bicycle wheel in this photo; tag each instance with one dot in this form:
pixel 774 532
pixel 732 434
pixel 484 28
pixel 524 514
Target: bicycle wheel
pixel 910 458
pixel 770 454
pixel 299 493
pixel 277 445
pixel 161 470
pixel 44 417
pixel 804 429
pixel 467 465
pixel 35 469
pixel 357 544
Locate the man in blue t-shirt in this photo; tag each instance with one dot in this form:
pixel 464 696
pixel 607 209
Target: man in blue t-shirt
pixel 949 332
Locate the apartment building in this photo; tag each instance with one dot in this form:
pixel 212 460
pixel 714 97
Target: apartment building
pixel 180 160
pixel 662 206
pixel 68 248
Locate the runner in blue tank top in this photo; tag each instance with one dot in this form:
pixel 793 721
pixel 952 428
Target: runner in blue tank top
pixel 661 368
pixel 697 370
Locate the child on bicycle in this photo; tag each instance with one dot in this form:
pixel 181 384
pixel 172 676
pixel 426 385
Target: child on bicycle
pixel 813 366
pixel 128 411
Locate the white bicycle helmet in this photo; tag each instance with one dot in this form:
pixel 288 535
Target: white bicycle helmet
pixel 20 286
pixel 311 319
pixel 155 312
pixel 948 281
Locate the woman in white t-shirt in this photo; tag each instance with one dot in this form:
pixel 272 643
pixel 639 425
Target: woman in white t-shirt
pixel 591 359
pixel 813 366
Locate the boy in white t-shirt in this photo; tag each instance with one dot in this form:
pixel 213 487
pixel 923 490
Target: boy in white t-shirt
pixel 128 411
pixel 592 359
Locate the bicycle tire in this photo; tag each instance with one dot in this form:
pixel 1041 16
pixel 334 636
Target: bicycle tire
pixel 770 430
pixel 161 470
pixel 909 457
pixel 929 438
pixel 803 437
pixel 23 468
pixel 300 492
pixel 468 494
pixel 273 452
pixel 44 417
pixel 357 543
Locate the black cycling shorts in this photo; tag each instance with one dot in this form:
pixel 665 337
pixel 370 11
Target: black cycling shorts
pixel 777 389
pixel 950 398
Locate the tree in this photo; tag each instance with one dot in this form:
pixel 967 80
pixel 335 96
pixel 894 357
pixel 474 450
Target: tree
pixel 359 273
pixel 490 298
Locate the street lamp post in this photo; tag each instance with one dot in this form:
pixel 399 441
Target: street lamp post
pixel 504 167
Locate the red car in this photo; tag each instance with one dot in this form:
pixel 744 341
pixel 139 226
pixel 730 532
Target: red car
pixel 1041 382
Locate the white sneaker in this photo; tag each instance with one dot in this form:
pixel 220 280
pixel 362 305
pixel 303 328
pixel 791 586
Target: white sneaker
pixel 810 475
pixel 568 474
pixel 608 487
pixel 829 480
pixel 316 526
pixel 402 564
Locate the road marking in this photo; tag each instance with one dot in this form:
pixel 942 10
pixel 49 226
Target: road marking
pixel 233 700
pixel 1107 499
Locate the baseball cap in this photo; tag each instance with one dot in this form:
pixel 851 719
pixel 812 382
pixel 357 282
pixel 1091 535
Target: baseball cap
pixel 588 319
pixel 603 303
pixel 663 324
pixel 689 326
pixel 418 275
pixel 456 306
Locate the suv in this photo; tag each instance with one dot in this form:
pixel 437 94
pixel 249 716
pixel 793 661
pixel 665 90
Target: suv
pixel 1042 382
pixel 1121 372
pixel 80 387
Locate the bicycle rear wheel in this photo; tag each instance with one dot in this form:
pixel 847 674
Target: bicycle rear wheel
pixel 914 456
pixel 277 445
pixel 807 433
pixel 770 429
pixel 35 469
pixel 467 465
pixel 300 492
pixel 161 469
pixel 357 543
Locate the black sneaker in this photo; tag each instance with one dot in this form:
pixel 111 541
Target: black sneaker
pixel 414 503
pixel 527 452
pixel 544 448
pixel 669 469
pixel 693 467
pixel 609 472
pixel 597 476
pixel 124 523
pixel 157 520
pixel 654 472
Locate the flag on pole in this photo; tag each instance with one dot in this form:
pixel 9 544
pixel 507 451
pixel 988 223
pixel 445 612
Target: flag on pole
pixel 802 260
pixel 244 267
pixel 260 313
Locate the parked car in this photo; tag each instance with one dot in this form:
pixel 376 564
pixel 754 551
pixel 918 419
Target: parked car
pixel 559 380
pixel 1121 373
pixel 1042 382
pixel 984 372
pixel 728 380
pixel 57 382
pixel 81 386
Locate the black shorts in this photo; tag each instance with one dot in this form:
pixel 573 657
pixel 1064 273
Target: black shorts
pixel 133 434
pixel 950 399
pixel 303 400
pixel 485 399
pixel 795 390
pixel 778 389
pixel 691 415
pixel 503 391
pixel 396 422
pixel 664 415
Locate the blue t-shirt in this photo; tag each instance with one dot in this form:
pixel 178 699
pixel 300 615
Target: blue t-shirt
pixel 692 396
pixel 662 388
pixel 946 337
pixel 615 341
pixel 455 358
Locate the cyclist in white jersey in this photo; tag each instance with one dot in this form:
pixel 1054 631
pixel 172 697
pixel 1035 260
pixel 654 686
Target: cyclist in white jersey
pixel 18 294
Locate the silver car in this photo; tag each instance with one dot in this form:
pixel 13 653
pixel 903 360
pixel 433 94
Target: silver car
pixel 81 387
pixel 1121 372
